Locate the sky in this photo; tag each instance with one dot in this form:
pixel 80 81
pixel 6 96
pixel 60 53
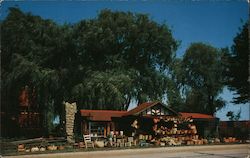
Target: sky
pixel 215 22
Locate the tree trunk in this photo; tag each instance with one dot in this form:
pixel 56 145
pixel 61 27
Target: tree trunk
pixel 127 103
pixel 211 105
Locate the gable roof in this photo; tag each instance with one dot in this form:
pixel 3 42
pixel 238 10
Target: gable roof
pixel 106 115
pixel 196 115
pixel 141 107
pixel 146 105
pixel 102 115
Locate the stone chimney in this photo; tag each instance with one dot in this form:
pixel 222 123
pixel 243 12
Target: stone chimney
pixel 70 110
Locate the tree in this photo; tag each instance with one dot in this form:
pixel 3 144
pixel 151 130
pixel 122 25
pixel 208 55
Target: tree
pixel 125 41
pixel 29 47
pixel 102 63
pixel 104 90
pixel 175 87
pixel 238 73
pixel 232 116
pixel 203 69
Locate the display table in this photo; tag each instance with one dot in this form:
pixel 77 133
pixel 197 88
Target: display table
pixel 98 138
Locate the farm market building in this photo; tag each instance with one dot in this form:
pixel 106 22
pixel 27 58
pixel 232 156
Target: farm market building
pixel 102 122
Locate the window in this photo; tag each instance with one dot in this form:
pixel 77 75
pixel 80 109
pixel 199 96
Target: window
pixel 29 119
pixel 98 128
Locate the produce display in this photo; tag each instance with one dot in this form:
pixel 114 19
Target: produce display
pixel 173 131
pixel 161 131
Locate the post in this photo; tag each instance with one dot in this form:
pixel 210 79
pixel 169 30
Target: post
pixel 89 127
pixel 108 128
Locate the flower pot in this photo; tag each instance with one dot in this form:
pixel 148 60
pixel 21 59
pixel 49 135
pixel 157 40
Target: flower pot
pixel 20 146
pixel 42 149
pixel 52 147
pixel 61 147
pixel 99 144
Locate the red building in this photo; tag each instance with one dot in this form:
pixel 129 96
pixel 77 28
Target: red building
pixel 25 119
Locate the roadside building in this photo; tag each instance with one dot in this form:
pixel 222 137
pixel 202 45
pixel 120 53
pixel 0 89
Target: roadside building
pixel 146 118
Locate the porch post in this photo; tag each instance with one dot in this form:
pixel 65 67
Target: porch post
pixel 105 131
pixel 108 128
pixel 85 127
pixel 113 126
pixel 89 127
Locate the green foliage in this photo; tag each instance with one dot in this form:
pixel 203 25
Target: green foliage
pixel 102 63
pixel 175 87
pixel 129 43
pixel 107 62
pixel 104 90
pixel 132 39
pixel 232 116
pixel 29 46
pixel 238 68
pixel 203 69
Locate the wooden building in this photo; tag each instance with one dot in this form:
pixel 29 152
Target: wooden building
pixel 101 122
pixel 238 129
pixel 207 125
pixel 24 119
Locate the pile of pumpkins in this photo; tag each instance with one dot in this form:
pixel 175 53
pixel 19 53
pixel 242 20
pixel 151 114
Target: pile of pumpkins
pixel 22 148
pixel 230 140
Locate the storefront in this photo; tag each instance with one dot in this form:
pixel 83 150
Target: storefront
pixel 99 122
pixel 151 120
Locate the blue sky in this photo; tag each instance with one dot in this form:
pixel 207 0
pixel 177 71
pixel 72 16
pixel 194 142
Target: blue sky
pixel 213 22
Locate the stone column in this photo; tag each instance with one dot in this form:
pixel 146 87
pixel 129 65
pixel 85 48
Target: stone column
pixel 70 110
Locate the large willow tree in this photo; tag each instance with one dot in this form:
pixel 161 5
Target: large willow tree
pixel 31 51
pixel 126 56
pixel 102 63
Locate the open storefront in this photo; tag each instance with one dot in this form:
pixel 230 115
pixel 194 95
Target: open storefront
pixel 148 123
